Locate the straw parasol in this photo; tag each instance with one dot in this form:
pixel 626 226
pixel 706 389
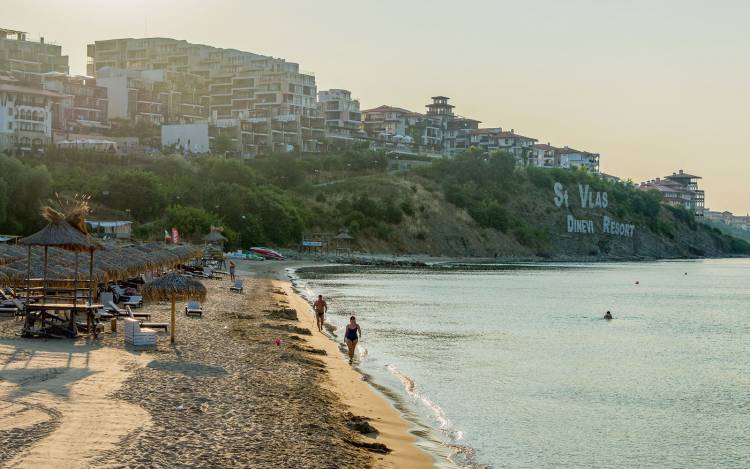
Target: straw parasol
pixel 66 230
pixel 214 237
pixel 174 286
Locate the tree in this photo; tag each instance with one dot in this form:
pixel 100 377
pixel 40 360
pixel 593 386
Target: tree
pixel 222 144
pixel 23 189
pixel 192 222
pixel 138 191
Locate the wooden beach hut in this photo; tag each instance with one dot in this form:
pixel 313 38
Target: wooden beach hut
pixel 343 242
pixel 173 287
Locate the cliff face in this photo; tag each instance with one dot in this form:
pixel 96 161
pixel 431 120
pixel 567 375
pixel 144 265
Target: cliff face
pixel 596 221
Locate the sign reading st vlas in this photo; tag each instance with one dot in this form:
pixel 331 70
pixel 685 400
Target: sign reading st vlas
pixel 590 200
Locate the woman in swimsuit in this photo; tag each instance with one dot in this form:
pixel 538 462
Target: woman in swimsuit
pixel 353 333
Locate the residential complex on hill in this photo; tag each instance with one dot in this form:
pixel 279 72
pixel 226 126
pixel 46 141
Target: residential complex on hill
pixel 257 104
pixel 679 189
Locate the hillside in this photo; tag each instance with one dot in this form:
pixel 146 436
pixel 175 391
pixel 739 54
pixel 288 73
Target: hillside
pixel 475 205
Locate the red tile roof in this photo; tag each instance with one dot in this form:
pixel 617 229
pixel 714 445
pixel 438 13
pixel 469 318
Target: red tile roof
pixel 386 108
pixel 499 133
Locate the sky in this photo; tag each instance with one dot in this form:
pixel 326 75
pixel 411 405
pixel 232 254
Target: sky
pixel 653 86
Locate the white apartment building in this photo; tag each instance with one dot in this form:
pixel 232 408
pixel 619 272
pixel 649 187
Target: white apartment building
pixel 496 139
pixel 570 158
pixel 343 119
pixel 25 116
pixel 544 156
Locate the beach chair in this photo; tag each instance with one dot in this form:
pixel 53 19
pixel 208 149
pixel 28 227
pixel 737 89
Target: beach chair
pixel 209 274
pixel 12 307
pixel 138 336
pixel 237 287
pixel 150 325
pixel 136 301
pixel 193 308
pixel 120 312
pixel 8 309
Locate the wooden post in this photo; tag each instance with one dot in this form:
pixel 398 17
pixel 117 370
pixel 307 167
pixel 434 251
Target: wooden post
pixel 173 318
pixel 44 280
pixel 28 291
pixel 72 325
pixel 89 311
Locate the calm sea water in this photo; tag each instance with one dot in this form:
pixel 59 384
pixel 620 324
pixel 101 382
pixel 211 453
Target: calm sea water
pixel 516 368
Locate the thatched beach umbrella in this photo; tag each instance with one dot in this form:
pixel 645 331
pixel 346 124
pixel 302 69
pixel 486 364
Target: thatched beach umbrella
pixel 66 230
pixel 172 287
pixel 214 237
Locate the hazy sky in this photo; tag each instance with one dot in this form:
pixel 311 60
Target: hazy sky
pixel 654 86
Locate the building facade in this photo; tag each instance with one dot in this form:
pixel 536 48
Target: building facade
pixel 238 82
pixel 156 96
pixel 680 190
pixel 26 115
pixel 28 60
pixel 496 139
pixel 570 158
pixel 544 156
pixel 84 105
pixel 343 119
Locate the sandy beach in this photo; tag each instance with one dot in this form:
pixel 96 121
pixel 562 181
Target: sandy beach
pixel 225 395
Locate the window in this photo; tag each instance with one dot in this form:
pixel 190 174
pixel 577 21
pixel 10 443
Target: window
pixel 10 125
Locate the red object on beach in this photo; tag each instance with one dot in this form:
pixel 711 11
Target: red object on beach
pixel 267 253
pixel 277 342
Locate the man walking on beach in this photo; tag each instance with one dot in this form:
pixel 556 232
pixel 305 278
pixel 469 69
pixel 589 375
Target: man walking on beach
pixel 321 308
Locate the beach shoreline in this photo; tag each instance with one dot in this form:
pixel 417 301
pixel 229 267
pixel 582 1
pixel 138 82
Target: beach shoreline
pixel 359 397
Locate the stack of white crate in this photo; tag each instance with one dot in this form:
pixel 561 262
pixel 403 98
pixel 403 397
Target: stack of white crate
pixel 137 336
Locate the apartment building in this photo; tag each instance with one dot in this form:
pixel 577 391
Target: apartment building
pixel 239 82
pixel 26 115
pixel 156 96
pixel 84 104
pixel 263 133
pixel 395 125
pixel 571 158
pixel 28 60
pixel 679 189
pixel 343 119
pixel 496 139
pixel 544 155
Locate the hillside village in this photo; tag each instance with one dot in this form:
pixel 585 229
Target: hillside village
pixel 168 95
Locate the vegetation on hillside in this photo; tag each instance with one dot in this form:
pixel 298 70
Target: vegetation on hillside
pixel 276 199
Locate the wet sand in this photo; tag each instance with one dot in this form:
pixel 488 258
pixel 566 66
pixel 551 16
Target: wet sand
pixel 226 395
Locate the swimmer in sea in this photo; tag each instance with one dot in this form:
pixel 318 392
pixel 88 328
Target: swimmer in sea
pixel 353 333
pixel 607 315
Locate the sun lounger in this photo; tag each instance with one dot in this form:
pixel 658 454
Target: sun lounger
pixel 135 301
pixel 8 311
pixel 210 274
pixel 120 312
pixel 138 336
pixel 193 308
pixel 150 325
pixel 237 287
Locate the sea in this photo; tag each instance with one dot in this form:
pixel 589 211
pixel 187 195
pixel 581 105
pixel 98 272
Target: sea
pixel 514 366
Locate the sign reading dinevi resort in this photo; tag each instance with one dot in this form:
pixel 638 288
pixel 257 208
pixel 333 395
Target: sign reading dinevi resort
pixel 589 200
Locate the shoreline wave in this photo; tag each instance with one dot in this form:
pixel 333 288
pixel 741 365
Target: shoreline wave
pixel 457 455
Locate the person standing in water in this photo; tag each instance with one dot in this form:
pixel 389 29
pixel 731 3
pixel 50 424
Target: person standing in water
pixel 353 333
pixel 232 267
pixel 321 308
